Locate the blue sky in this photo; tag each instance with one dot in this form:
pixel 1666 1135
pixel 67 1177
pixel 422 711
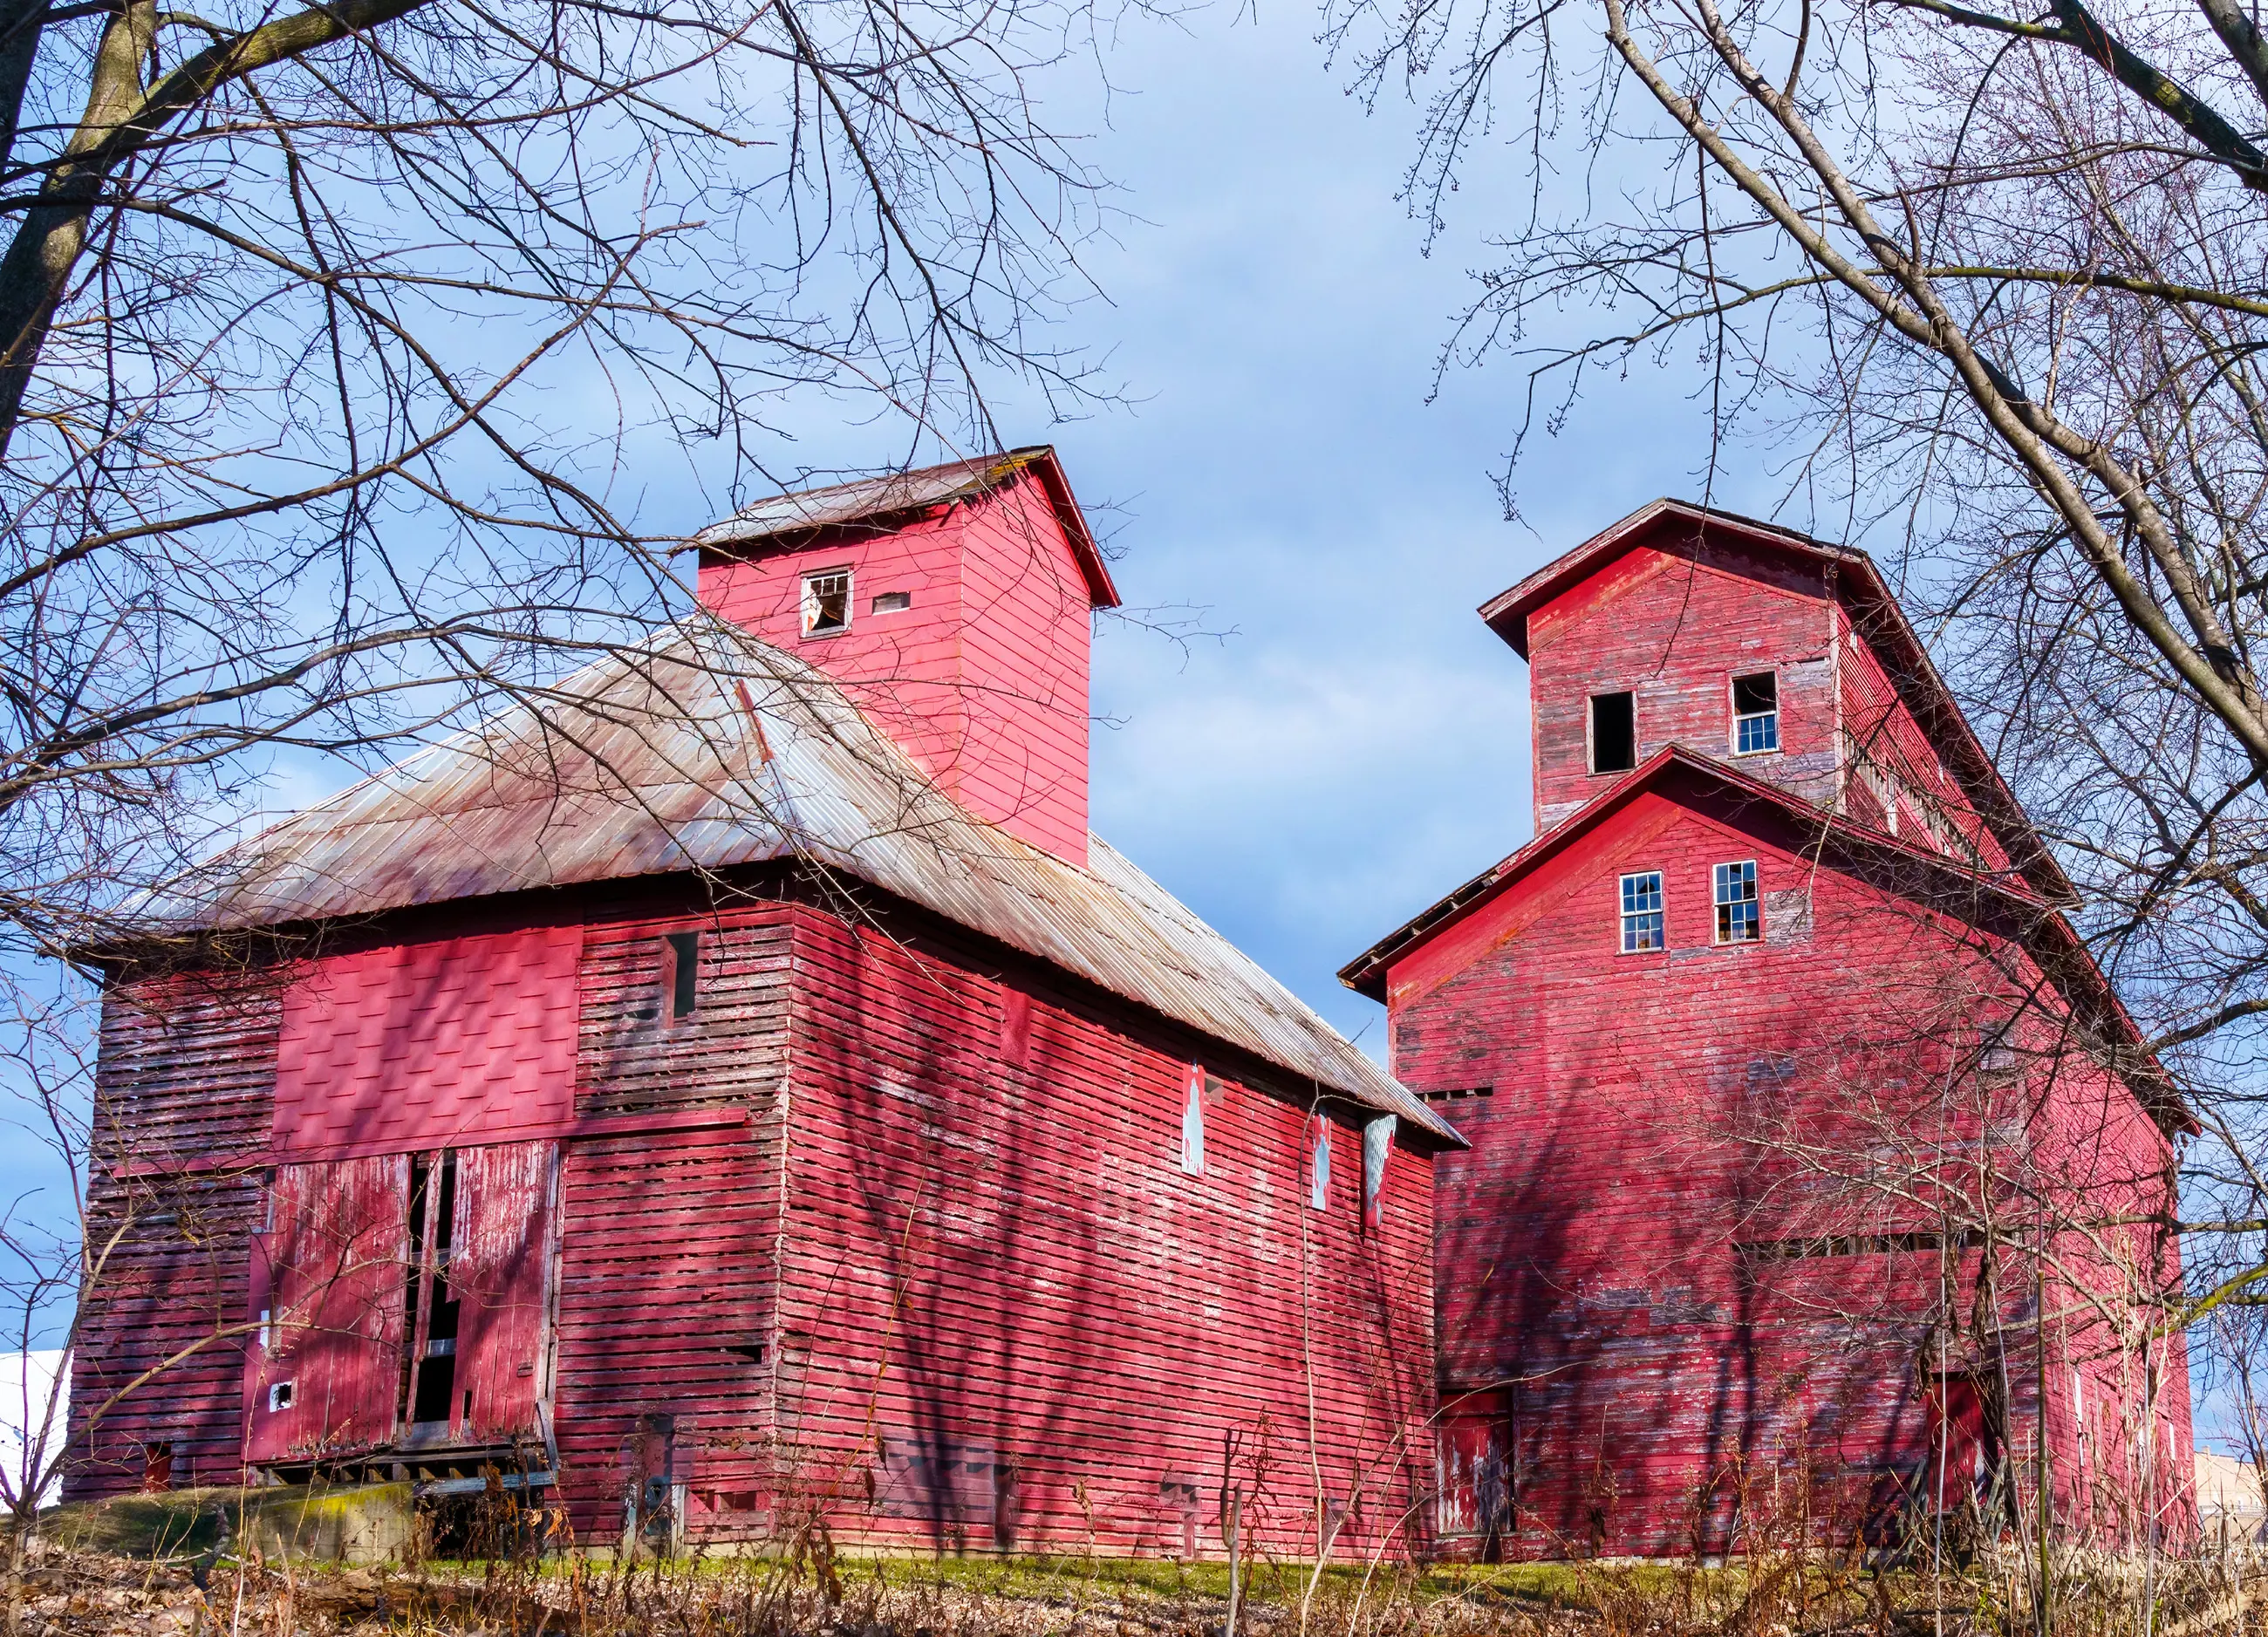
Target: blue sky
pixel 1360 744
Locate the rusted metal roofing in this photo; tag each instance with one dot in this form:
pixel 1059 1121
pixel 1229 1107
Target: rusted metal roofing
pixel 897 494
pixel 708 749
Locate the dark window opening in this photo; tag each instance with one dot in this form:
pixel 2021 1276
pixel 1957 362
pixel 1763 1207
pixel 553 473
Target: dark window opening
pixel 682 958
pixel 891 602
pixel 279 1396
pixel 157 1467
pixel 826 602
pixel 1458 1095
pixel 1613 732
pixel 1755 714
pixel 435 1366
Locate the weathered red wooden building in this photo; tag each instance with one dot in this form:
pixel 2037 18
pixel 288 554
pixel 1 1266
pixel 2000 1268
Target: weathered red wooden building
pixel 1816 1171
pixel 736 1091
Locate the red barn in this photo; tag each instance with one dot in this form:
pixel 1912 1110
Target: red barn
pixel 1816 1171
pixel 735 1094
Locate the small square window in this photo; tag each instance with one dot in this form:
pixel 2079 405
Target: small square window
pixel 279 1395
pixel 1755 714
pixel 1613 732
pixel 1739 917
pixel 826 602
pixel 1642 911
pixel 891 602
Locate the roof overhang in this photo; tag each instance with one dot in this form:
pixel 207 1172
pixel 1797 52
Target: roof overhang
pixel 790 522
pixel 2033 921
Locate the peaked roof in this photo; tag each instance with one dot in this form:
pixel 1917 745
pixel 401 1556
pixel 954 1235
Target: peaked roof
pixel 2038 922
pixel 707 749
pixel 891 498
pixel 1858 582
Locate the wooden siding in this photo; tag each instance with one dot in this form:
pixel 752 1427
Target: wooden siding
pixel 1643 1124
pixel 1008 1317
pixel 983 679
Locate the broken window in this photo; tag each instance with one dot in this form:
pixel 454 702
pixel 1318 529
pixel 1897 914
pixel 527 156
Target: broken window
pixel 1642 911
pixel 1740 918
pixel 433 1308
pixel 1319 1167
pixel 1377 1144
pixel 1613 732
pixel 1756 713
pixel 681 971
pixel 826 602
pixel 1996 1056
pixel 1193 1123
pixel 891 602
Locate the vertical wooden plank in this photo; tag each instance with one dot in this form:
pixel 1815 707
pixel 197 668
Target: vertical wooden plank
pixel 499 1262
pixel 322 1377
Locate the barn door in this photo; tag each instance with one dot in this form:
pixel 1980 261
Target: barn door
pixel 1472 1491
pixel 500 1264
pixel 1964 1455
pixel 323 1373
pixel 481 1243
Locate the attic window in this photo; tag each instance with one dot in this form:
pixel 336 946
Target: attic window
pixel 681 971
pixel 1755 714
pixel 891 602
pixel 1613 732
pixel 1642 911
pixel 826 602
pixel 1319 1167
pixel 1996 1057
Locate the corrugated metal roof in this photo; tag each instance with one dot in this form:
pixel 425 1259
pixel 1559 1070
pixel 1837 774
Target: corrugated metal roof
pixel 709 749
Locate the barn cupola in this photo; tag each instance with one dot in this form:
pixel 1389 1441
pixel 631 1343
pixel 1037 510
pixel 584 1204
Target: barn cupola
pixel 955 603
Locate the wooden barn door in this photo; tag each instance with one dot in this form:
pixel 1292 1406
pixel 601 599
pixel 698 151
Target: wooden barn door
pixel 1964 1445
pixel 323 1373
pixel 1472 1493
pixel 500 1273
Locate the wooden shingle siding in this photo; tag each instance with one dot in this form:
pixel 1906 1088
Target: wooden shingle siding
pixel 1004 1265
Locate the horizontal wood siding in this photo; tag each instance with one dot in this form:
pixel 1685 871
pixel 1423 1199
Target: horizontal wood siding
pixel 1651 1119
pixel 170 1259
pixel 1010 1319
pixel 185 1078
pixel 668 1239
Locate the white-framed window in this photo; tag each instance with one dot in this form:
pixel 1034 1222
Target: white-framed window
pixel 1756 713
pixel 1193 1123
pixel 1641 896
pixel 1739 919
pixel 826 602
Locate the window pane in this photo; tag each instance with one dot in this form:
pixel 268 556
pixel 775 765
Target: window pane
pixel 1738 919
pixel 1641 912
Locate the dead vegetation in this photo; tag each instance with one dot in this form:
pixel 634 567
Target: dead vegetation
pixel 164 1568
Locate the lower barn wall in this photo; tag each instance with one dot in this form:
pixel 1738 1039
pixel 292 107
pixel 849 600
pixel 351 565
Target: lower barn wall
pixel 1008 1318
pixel 1642 1125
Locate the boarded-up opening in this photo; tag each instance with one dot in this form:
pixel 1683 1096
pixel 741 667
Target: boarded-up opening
pixel 1473 1475
pixel 955 1488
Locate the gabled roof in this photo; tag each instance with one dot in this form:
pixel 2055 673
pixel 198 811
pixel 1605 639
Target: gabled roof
pixel 707 749
pixel 1875 614
pixel 891 499
pixel 2033 921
